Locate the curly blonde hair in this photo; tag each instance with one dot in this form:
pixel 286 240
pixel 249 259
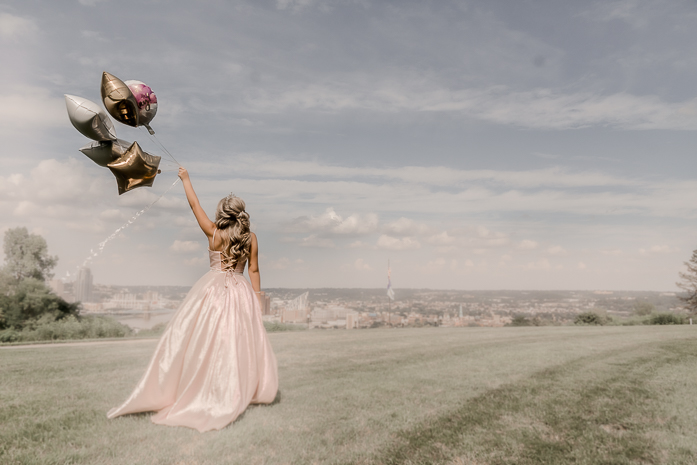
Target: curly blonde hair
pixel 232 221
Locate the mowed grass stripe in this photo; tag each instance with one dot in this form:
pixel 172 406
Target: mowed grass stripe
pixel 599 409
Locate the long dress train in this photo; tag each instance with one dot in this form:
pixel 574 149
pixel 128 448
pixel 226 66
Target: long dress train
pixel 213 359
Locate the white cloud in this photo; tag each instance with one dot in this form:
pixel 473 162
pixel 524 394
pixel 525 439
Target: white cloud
pixel 295 5
pixel 405 227
pixel 185 221
pixel 316 242
pixel 112 214
pixel 330 222
pixel 657 249
pixel 442 238
pixel 92 35
pixel 90 2
pixel 435 266
pixel 55 185
pixel 625 197
pixel 281 264
pixel 581 266
pixel 439 176
pixel 31 107
pixel 629 11
pixel 556 250
pixel 196 261
pixel 360 264
pixel 527 245
pixel 543 108
pixel 394 243
pixel 540 264
pixel 185 246
pixel 13 27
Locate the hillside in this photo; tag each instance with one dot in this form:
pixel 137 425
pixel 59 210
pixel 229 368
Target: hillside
pixel 434 395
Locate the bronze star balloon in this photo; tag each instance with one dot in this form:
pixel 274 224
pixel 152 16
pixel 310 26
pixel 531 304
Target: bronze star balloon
pixel 134 168
pixel 119 100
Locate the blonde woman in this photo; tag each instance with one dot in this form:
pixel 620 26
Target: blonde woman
pixel 214 358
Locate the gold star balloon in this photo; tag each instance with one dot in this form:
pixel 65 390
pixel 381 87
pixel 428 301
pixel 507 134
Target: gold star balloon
pixel 119 100
pixel 134 168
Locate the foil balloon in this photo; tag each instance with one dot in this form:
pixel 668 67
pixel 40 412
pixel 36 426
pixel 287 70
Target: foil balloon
pixel 105 152
pixel 134 168
pixel 119 100
pixel 89 118
pixel 147 102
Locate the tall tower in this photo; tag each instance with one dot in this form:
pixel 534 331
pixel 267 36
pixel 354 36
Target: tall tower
pixel 83 285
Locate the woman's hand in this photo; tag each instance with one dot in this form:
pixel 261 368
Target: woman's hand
pixel 183 173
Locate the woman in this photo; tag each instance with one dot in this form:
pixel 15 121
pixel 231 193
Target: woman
pixel 214 358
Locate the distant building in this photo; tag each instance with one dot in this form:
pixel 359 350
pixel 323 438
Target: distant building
pixel 351 320
pixel 83 285
pixel 329 313
pixel 296 310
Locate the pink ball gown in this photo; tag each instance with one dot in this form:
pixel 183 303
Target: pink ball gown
pixel 213 360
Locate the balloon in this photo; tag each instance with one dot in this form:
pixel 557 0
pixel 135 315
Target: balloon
pixel 104 152
pixel 89 118
pixel 119 100
pixel 134 168
pixel 147 102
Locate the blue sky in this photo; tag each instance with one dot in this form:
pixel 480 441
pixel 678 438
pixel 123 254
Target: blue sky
pixel 476 144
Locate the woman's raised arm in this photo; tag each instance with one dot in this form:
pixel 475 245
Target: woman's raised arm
pixel 207 226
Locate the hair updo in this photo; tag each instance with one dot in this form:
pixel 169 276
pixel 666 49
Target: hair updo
pixel 233 223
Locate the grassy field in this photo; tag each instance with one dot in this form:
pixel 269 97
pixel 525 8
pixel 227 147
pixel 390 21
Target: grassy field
pixel 547 395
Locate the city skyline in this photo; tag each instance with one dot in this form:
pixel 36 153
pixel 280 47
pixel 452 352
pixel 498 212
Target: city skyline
pixel 477 145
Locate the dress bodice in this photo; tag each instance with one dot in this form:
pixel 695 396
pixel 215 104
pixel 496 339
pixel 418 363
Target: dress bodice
pixel 217 262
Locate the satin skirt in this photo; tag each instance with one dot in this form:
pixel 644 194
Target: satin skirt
pixel 212 361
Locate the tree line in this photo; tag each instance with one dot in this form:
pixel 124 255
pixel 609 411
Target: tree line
pixel 24 293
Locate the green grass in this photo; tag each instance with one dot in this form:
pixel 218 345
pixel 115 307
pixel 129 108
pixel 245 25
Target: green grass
pixel 540 395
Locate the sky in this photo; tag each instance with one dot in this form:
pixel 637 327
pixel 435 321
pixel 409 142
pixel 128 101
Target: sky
pixel 473 144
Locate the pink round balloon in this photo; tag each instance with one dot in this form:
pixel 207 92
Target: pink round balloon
pixel 146 98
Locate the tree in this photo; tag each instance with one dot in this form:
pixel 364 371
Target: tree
pixel 688 283
pixel 643 308
pixel 26 256
pixel 30 300
pixel 665 319
pixel 590 318
pixel 520 320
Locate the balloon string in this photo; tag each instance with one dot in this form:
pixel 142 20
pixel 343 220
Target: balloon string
pixel 103 244
pixel 153 136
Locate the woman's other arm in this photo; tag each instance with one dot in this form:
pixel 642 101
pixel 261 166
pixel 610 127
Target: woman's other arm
pixel 207 226
pixel 253 270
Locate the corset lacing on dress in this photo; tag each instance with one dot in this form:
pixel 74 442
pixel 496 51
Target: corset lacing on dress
pixel 230 272
pixel 216 261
